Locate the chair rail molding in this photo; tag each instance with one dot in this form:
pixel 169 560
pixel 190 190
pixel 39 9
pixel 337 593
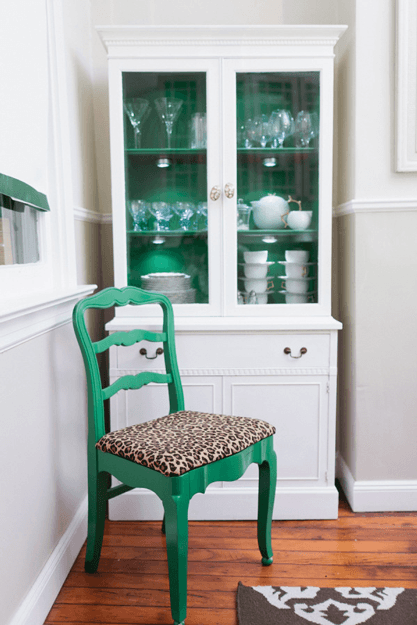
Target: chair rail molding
pixel 375 206
pixel 406 86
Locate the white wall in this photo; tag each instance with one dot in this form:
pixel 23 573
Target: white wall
pixel 377 269
pixel 44 404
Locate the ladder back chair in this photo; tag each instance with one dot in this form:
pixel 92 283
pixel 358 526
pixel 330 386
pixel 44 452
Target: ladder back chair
pixel 175 456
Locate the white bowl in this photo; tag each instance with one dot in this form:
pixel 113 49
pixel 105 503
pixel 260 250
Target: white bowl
pixel 292 285
pixel 297 256
pixel 256 270
pixel 256 257
pixel 299 220
pixel 259 285
pixel 296 298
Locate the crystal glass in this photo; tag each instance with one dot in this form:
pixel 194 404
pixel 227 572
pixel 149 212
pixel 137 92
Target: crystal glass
pixel 162 213
pixel 306 128
pixel 139 209
pixel 199 221
pixel 185 211
pixel 281 126
pixel 261 130
pixel 136 108
pixel 168 110
pixel 243 215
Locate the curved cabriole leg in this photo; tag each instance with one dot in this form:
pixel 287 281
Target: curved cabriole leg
pixel 97 499
pixel 176 532
pixel 266 496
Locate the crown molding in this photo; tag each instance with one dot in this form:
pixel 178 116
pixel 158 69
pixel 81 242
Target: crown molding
pixel 92 217
pixel 375 206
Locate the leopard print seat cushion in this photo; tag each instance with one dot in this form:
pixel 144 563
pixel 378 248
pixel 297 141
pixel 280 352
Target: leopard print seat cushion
pixel 184 440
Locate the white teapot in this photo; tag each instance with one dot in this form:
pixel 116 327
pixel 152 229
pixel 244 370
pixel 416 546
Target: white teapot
pixel 268 212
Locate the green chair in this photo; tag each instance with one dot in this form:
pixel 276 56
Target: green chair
pixel 175 456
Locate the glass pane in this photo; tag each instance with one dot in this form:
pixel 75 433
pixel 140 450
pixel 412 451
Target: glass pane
pixel 166 183
pixel 19 242
pixel 277 184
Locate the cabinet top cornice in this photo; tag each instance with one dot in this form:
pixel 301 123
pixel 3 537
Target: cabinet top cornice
pixel 277 35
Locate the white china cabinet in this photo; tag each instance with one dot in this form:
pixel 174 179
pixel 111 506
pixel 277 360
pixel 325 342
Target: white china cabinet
pixel 221 158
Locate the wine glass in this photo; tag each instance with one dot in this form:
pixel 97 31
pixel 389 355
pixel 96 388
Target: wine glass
pixel 306 128
pixel 139 209
pixel 162 213
pixel 201 216
pixel 168 110
pixel 135 109
pixel 281 126
pixel 261 130
pixel 185 211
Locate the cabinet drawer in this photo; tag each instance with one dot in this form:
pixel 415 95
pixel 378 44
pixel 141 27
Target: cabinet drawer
pixel 217 352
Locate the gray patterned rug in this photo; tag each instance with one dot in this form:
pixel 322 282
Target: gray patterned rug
pixel 291 605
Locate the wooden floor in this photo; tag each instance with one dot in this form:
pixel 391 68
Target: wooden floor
pixel 131 585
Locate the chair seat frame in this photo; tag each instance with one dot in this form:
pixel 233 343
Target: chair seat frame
pixel 177 491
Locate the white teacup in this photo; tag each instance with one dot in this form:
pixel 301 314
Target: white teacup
pixel 256 257
pixel 256 270
pixel 259 285
pixel 296 286
pixel 296 270
pixel 299 220
pixel 297 256
pixel 297 298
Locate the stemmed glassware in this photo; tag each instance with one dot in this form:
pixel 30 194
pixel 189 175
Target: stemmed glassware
pixel 261 130
pixel 135 109
pixel 200 217
pixel 139 209
pixel 168 110
pixel 306 128
pixel 281 126
pixel 185 211
pixel 162 213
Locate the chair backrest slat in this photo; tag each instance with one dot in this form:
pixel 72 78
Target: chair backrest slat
pixel 128 338
pixel 134 382
pixel 126 296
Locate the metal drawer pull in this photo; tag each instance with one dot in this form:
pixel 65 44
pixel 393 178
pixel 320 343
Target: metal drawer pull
pixel 158 352
pixel 303 350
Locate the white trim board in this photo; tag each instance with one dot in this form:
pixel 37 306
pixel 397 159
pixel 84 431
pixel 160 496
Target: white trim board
pixel 92 217
pixel 375 206
pixel 376 495
pixel 228 504
pixel 35 607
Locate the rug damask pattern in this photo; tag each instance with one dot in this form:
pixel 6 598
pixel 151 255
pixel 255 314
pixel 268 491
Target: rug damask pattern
pixel 291 605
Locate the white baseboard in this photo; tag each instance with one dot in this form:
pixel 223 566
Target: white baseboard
pixel 376 495
pixel 35 607
pixel 229 504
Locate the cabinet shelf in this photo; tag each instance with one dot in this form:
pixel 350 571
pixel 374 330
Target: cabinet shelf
pixel 164 152
pixel 276 151
pixel 167 233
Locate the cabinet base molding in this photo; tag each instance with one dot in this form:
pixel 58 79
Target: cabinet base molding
pixel 376 495
pixel 231 504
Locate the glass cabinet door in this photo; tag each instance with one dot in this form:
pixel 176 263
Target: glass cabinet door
pixel 277 187
pixel 165 140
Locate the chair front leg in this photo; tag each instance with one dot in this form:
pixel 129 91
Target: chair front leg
pixel 97 499
pixel 176 532
pixel 266 496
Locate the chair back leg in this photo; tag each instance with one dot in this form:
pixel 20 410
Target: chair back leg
pixel 176 532
pixel 97 499
pixel 266 497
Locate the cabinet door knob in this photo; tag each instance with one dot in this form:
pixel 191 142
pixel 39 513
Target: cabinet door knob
pixel 143 352
pixel 303 350
pixel 215 193
pixel 229 190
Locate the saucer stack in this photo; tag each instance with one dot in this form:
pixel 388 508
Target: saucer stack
pixel 255 279
pixel 297 283
pixel 176 286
